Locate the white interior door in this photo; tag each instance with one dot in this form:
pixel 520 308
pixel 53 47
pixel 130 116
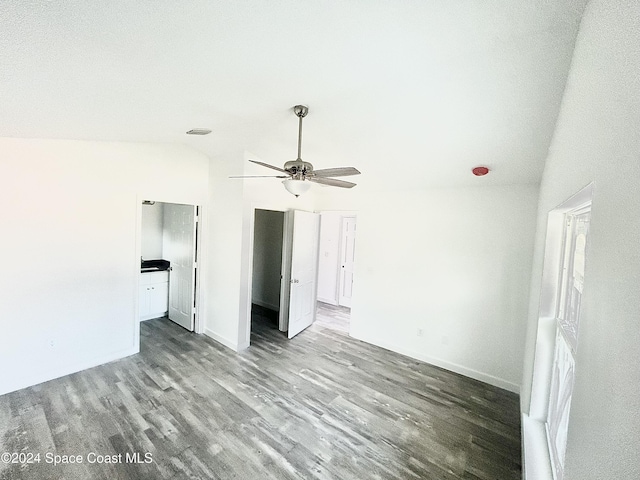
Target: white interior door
pixel 179 246
pixel 304 271
pixel 347 256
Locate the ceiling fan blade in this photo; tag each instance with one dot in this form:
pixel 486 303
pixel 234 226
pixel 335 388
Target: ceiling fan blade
pixel 336 172
pixel 331 181
pixel 259 176
pixel 269 166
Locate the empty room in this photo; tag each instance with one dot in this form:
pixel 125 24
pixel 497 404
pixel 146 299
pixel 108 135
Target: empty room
pixel 320 240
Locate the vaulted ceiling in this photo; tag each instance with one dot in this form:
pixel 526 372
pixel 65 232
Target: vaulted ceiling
pixel 424 90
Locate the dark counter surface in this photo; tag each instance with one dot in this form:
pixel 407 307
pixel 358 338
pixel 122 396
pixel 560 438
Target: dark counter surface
pixel 154 266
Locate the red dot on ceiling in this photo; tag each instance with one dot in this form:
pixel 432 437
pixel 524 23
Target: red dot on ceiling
pixel 480 171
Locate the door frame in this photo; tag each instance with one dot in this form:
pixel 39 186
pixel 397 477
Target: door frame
pixel 285 272
pixel 342 214
pixel 199 256
pixel 245 320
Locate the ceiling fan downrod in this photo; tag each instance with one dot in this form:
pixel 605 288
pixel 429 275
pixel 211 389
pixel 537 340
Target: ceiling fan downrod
pixel 299 168
pixel 301 112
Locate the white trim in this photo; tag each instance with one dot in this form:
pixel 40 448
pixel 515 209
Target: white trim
pixel 198 324
pixel 452 367
pixel 136 269
pixel 542 363
pixel 537 461
pixel 328 301
pixel 285 272
pixel 245 320
pixel 47 375
pixel 153 316
pixel 223 340
pixel 578 201
pixel 270 306
pixel 536 464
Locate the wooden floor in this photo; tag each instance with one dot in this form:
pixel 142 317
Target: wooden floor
pixel 319 406
pixel 333 317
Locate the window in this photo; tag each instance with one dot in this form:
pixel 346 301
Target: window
pixel 569 296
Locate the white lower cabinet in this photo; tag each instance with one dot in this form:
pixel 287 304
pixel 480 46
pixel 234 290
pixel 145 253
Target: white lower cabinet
pixel 154 294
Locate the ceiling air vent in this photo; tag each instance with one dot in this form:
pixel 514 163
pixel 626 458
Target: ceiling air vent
pixel 199 131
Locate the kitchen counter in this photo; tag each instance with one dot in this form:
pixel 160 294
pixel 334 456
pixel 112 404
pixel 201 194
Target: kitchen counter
pixel 154 266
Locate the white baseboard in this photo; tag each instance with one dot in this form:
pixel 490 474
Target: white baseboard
pixel 42 377
pixel 153 316
pixel 220 339
pixel 330 301
pixel 270 306
pixel 452 367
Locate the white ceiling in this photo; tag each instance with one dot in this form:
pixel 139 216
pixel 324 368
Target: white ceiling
pixel 429 88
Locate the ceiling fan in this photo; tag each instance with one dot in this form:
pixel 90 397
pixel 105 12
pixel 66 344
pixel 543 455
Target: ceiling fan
pixel 298 172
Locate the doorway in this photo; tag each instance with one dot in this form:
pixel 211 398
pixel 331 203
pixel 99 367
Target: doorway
pixel 168 285
pixel 292 237
pixel 268 237
pixel 336 268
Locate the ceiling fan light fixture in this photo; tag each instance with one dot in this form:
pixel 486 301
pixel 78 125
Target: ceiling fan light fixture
pixel 295 186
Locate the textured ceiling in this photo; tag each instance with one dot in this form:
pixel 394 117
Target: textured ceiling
pixel 427 88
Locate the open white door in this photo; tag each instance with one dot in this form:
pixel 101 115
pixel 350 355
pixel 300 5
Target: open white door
pixel 304 271
pixel 347 260
pixel 179 248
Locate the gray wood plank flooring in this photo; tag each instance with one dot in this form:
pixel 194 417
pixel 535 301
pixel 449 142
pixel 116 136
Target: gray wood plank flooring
pixel 333 317
pixel 319 406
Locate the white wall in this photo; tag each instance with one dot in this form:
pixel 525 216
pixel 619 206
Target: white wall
pixel 152 228
pixel 453 262
pixel 225 212
pixel 597 139
pixel 70 261
pixel 267 258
